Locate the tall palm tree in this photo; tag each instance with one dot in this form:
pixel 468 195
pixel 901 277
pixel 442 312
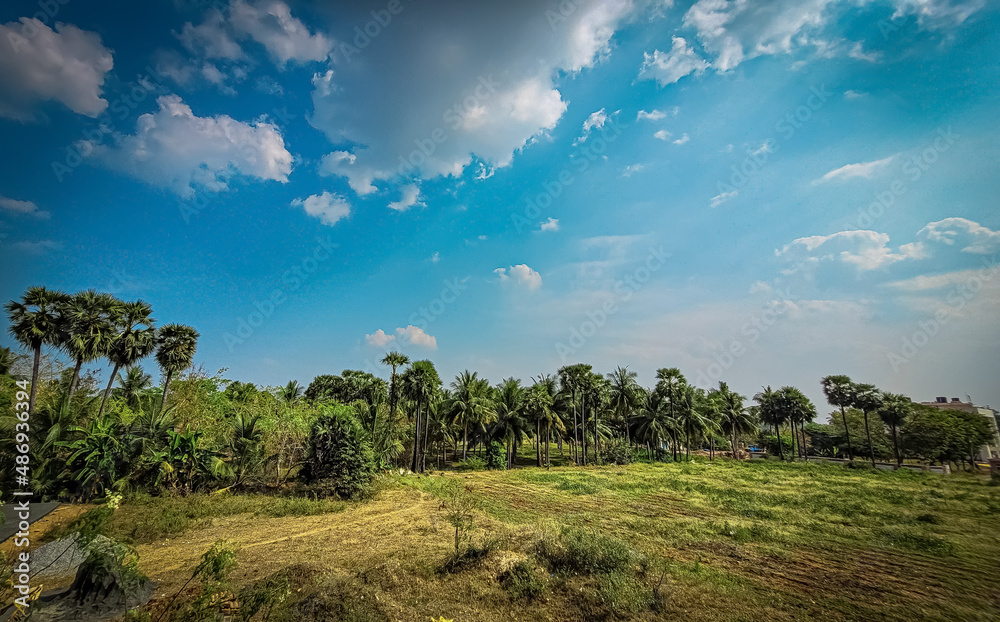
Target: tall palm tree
pixel 894 411
pixel 175 348
pixel 692 416
pixel 838 390
pixel 419 384
pixel 133 384
pixel 735 418
pixel 771 413
pixel 548 408
pixel 624 395
pixel 90 329
pixel 510 426
pixel 468 403
pixel 37 320
pixel 394 360
pixel 796 409
pixel 669 383
pixel 867 399
pixel 135 339
pixel 653 424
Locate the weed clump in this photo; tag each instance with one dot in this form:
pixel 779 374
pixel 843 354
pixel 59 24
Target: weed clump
pixel 521 581
pixel 576 551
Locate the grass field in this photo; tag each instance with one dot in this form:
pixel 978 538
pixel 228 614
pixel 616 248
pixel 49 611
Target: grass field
pixel 718 540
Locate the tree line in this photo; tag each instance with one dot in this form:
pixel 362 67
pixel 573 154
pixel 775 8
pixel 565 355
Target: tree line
pixel 200 431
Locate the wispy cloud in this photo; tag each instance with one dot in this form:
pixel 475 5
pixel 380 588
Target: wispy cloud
pixel 22 207
pixel 867 170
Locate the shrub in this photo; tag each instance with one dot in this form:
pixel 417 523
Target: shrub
pixel 616 453
pixel 586 552
pixel 338 457
pixel 521 581
pixel 496 456
pixel 470 464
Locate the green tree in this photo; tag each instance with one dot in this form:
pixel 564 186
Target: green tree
pixel 134 340
pixel 395 360
pixel 670 383
pixel 893 412
pixel 624 395
pixel 867 399
pixel 771 413
pixel 134 384
pixel 89 324
pixel 290 393
pixel 735 419
pixel 175 348
pixel 510 426
pixel 420 384
pixel 470 402
pixel 37 320
pixel 839 390
pixel 338 454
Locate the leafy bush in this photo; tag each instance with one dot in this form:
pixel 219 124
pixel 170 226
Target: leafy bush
pixel 338 457
pixel 471 463
pixel 521 581
pixel 616 453
pixel 496 457
pixel 586 552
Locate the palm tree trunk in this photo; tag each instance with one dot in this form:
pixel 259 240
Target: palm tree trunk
pixel 34 380
pixel 75 380
pixel 781 449
pixel 583 423
pixel 538 441
pixel 423 453
pixel 847 431
pixel 166 388
pixel 871 449
pixel 416 439
pixel 107 391
pixel 465 443
pixel 895 445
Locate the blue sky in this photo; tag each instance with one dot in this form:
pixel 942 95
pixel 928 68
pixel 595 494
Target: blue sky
pixel 757 192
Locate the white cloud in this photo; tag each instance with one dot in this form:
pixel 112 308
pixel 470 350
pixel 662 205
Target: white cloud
pixel 416 336
pixel 632 169
pixel 379 338
pixel 270 23
pixel 436 257
pixel 67 65
pixel 662 135
pixel 38 247
pixel 653 115
pixel 175 149
pixel 923 283
pixel 552 224
pixel 410 195
pixel 23 207
pixel 963 234
pixel 669 67
pixel 211 38
pixel 862 169
pixel 595 120
pixel 488 76
pixel 938 13
pixel 682 140
pixel 721 198
pixel 851 94
pixel 328 207
pixel 520 274
pixel 863 249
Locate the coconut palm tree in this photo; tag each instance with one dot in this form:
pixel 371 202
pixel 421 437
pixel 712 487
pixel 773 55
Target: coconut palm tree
pixel 175 348
pixel 624 395
pixel 90 329
pixel 133 384
pixel 692 417
pixel 796 410
pixel 838 390
pixel 394 360
pixel 867 399
pixel 290 393
pixel 548 408
pixel 894 411
pixel 653 424
pixel 468 403
pixel 771 413
pixel 135 339
pixel 669 383
pixel 734 417
pixel 419 384
pixel 510 426
pixel 37 320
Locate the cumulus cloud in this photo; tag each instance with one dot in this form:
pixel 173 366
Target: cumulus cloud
pixel 552 224
pixel 410 195
pixel 328 207
pixel 963 234
pixel 379 338
pixel 67 65
pixel 669 67
pixel 721 198
pixel 653 115
pixel 866 170
pixel 286 38
pixel 416 336
pixel 662 135
pixel 487 76
pixel 520 274
pixel 211 38
pixel 22 207
pixel 595 120
pixel 175 149
pixel 683 140
pixel 863 249
pixel 938 13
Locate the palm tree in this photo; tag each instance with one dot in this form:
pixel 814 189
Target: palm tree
pixel 470 403
pixel 290 393
pixel 771 413
pixel 867 398
pixel 796 410
pixel 735 418
pixel 652 423
pixel 693 420
pixel 893 412
pixel 133 384
pixel 838 393
pixel 175 348
pixel 134 341
pixel 90 329
pixel 7 360
pixel 510 426
pixel 624 395
pixel 419 384
pixel 669 383
pixel 37 320
pixel 394 360
pixel 547 407
pixel 538 405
